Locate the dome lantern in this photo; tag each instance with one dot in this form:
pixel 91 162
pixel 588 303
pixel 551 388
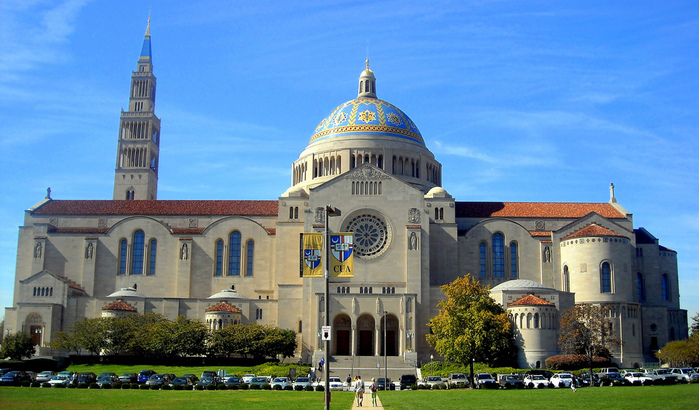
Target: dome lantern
pixel 367 83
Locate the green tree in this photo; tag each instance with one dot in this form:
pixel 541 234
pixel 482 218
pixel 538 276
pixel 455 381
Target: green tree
pixel 141 328
pixel 91 334
pixel 65 341
pixel 182 337
pixel 694 328
pixel 681 353
pixel 17 345
pixel 586 329
pixel 471 326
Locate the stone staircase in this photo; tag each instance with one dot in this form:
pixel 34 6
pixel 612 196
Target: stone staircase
pixel 366 366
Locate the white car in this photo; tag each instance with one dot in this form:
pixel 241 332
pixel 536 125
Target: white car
pixel 282 382
pixel 45 376
pixel 686 374
pixel 59 379
pixel 485 381
pixel 248 378
pixel 562 379
pixel 302 381
pixel 335 384
pixel 638 378
pixel 536 381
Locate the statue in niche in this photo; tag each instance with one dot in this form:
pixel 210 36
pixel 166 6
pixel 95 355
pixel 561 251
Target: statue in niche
pixel 37 250
pixel 354 305
pixel 547 254
pixel 322 304
pixel 412 244
pixel 89 250
pixel 378 306
pixel 184 255
pixel 320 215
pixel 414 215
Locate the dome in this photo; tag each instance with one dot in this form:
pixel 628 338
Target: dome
pixel 126 293
pixel 370 117
pixel 518 284
pixel 227 294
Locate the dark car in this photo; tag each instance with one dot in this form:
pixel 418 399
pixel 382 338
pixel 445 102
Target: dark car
pixel 85 378
pixel 128 378
pixel 15 377
pixel 181 381
pixel 381 384
pixel 191 376
pixel 617 380
pixel 160 379
pixel 232 381
pixel 144 375
pixel 207 380
pixel 406 381
pixel 259 381
pixel 584 379
pixel 107 379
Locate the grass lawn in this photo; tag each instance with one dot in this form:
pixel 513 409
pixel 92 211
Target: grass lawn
pixel 652 397
pixel 684 396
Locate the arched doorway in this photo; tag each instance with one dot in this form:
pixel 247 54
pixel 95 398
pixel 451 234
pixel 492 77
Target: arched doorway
pixel 365 330
pixel 35 324
pixel 391 334
pixel 343 328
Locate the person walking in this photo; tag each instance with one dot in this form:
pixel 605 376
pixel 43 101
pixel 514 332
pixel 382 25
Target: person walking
pixel 359 390
pixel 373 389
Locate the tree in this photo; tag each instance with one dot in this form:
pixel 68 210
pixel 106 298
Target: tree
pixel 91 334
pixel 471 326
pixel 586 329
pixel 694 328
pixel 681 353
pixel 17 345
pixel 65 341
pixel 182 337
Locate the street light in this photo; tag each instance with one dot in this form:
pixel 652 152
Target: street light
pixel 329 211
pixel 431 365
pixel 385 351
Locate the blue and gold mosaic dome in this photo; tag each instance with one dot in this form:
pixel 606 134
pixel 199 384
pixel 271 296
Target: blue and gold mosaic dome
pixel 367 116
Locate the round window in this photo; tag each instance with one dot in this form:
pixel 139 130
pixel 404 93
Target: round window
pixel 653 327
pixel 371 235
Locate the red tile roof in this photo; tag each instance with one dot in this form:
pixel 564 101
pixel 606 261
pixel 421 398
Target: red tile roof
pixel 78 230
pixel 534 210
pixel 157 207
pixel 531 300
pixel 119 305
pixel 540 233
pixel 593 230
pixel 70 283
pixel 223 307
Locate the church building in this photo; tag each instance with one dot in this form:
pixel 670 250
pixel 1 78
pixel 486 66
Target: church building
pixel 227 261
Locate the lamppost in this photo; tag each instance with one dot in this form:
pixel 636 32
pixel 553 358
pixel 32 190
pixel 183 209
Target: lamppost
pixel 431 365
pixel 385 351
pixel 329 211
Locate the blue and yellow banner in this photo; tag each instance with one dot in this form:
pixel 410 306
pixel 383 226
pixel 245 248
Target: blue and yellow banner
pixel 342 255
pixel 312 255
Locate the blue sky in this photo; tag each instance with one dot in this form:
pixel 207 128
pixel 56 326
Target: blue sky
pixel 543 101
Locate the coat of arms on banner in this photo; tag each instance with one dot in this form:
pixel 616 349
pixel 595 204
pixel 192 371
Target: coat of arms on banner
pixel 312 258
pixel 341 249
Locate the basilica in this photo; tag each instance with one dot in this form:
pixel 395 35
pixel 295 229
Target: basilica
pixel 228 261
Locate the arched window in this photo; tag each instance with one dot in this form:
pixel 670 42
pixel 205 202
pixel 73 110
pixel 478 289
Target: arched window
pixel 498 256
pixel 606 278
pixel 566 279
pixel 513 260
pixel 137 252
pixel 529 320
pixel 153 250
pixel 482 259
pixel 234 254
pixel 641 287
pixel 122 256
pixel 250 257
pixel 536 321
pixel 219 258
pixel 665 287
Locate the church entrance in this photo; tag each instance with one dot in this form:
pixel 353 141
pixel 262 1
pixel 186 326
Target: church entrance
pixel 390 332
pixel 365 328
pixel 342 326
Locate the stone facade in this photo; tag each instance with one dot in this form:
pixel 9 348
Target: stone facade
pixel 411 236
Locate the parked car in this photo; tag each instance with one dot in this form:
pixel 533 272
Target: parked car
pixel 536 381
pixel 383 384
pixel 191 376
pixel 85 378
pixel 546 373
pixel 301 381
pixel 584 379
pixel 31 374
pixel 458 380
pixel 510 381
pixel 282 382
pixel 607 372
pixel 663 376
pixel 160 379
pixel 232 381
pixel 59 379
pixel 247 378
pixel 4 370
pixel 15 377
pixel 431 382
pixel 638 378
pixel 617 380
pixel 144 375
pixel 45 376
pixel 209 373
pixel 181 381
pixel 562 379
pixel 258 381
pixel 685 374
pixel 128 378
pixel 485 381
pixel 110 374
pixel 108 379
pixel 406 381
pixel 335 383
pixel 207 380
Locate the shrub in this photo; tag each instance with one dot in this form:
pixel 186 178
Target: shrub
pixel 277 387
pixel 413 387
pixel 46 384
pixel 211 387
pixel 233 387
pixel 71 386
pixel 178 387
pixel 244 386
pixel 422 387
pixel 25 384
pixel 319 387
pixel 298 388
pixel 254 387
pixel 82 385
pixel 288 387
pixel 93 386
pixel 198 387
pixel 125 386
pixel 221 387
pixel 575 362
pixel 165 387
pixel 308 388
pixel 143 387
pixel 35 384
pixel 59 386
pixel 155 387
pixel 266 386
pixel 107 386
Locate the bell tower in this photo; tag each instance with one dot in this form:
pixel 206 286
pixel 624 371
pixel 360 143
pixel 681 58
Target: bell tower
pixel 136 174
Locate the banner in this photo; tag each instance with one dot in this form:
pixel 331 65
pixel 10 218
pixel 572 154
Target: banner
pixel 341 255
pixel 312 251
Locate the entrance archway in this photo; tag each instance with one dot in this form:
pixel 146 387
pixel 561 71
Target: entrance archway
pixel 391 334
pixel 343 328
pixel 35 323
pixel 365 330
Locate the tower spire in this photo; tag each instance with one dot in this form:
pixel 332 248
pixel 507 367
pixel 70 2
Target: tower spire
pixel 136 173
pixel 367 82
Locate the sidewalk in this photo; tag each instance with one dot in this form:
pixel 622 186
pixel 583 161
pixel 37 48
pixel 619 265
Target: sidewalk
pixel 367 402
